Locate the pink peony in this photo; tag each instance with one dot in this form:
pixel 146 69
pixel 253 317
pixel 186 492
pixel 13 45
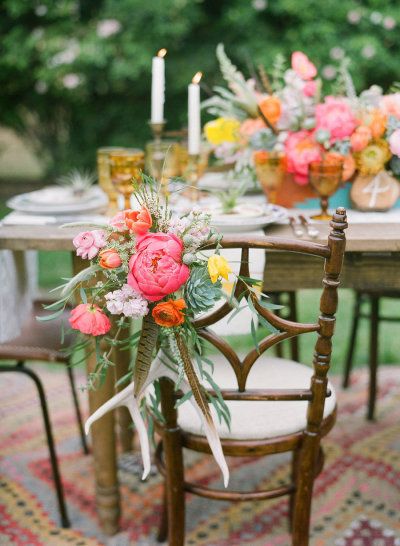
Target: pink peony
pixel 156 269
pixel 89 319
pixel 335 116
pixel 394 142
pixel 390 105
pixel 301 149
pixel 303 66
pixel 88 243
pixel 310 88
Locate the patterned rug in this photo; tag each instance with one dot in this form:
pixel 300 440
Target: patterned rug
pixel 357 497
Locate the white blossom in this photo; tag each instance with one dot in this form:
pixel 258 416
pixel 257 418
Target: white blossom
pixel 354 17
pixel 329 72
pixel 376 17
pixel 71 81
pixel 259 5
pixel 41 87
pixel 107 28
pixel 41 10
pixel 368 51
pixel 389 23
pixel 337 53
pixel 126 301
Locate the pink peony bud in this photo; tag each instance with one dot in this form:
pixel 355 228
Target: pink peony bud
pixel 89 319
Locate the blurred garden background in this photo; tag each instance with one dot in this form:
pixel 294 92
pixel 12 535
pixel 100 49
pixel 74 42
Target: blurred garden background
pixel 75 76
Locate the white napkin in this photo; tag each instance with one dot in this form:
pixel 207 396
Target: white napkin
pixel 20 219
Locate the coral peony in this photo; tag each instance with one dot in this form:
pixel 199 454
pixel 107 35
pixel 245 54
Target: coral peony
pixel 302 65
pixel 89 319
pixel 390 105
pixel 169 313
pixel 360 138
pixel 335 116
pixel 301 149
pixel 218 267
pixel 271 109
pixel 109 259
pixel 156 269
pixel 310 89
pixel 394 142
pixel 88 243
pixel 138 222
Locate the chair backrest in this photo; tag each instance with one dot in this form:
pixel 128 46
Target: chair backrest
pixel 332 253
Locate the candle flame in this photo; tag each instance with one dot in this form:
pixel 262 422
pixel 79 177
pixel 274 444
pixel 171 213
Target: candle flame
pixel 162 52
pixel 197 77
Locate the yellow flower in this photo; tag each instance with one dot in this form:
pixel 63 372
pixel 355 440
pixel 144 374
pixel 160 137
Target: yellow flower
pixel 222 130
pixel 372 159
pixel 218 267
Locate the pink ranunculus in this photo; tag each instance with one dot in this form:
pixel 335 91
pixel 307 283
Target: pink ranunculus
pixel 301 149
pixel 251 126
pixel 89 319
pixel 390 105
pixel 118 221
pixel 394 142
pixel 156 269
pixel 88 243
pixel 310 88
pixel 302 65
pixel 335 116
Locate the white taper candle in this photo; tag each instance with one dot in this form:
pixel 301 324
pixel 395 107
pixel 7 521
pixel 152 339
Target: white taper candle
pixel 194 129
pixel 158 87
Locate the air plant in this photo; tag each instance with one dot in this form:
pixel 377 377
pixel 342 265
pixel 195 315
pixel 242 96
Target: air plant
pixel 78 181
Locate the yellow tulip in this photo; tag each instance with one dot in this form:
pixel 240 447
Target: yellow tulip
pixel 218 267
pixel 222 130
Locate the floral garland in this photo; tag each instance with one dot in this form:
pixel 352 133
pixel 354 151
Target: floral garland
pixel 146 264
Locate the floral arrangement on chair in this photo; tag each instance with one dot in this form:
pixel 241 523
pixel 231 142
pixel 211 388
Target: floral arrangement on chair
pixel 146 264
pixel 285 112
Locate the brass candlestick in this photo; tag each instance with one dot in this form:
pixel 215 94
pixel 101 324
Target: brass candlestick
pixel 157 130
pixel 192 176
pixel 156 154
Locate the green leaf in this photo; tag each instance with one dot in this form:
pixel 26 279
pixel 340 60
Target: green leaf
pixel 254 335
pixel 52 316
pixel 83 295
pixel 184 399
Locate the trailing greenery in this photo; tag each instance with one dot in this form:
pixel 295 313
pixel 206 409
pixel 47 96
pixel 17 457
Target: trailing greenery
pixel 71 81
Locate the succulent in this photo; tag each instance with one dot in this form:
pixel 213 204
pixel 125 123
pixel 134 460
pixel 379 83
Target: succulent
pixel 200 293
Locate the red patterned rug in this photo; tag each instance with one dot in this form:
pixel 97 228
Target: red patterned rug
pixel 357 497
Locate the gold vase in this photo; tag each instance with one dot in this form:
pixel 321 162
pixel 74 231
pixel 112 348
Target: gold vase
pixel 325 177
pixel 104 177
pixel 126 167
pixel 270 169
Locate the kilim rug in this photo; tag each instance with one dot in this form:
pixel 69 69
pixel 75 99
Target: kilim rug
pixel 357 497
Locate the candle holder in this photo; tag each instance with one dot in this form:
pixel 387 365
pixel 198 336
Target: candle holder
pixel 157 130
pixel 192 175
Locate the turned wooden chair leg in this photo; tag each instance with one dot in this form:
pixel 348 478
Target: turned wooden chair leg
pixel 294 342
pixel 174 472
pixel 352 340
pixel 373 357
pixel 292 498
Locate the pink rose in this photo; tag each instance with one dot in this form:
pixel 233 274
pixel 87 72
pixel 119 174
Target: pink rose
pixel 303 66
pixel 88 243
pixel 89 319
pixel 335 116
pixel 394 142
pixel 310 88
pixel 301 149
pixel 156 269
pixel 390 105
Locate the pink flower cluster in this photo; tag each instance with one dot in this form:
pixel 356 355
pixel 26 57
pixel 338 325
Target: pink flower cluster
pixel 335 116
pixel 127 302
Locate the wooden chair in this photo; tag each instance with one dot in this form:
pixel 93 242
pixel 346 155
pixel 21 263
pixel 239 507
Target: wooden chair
pixel 268 403
pixel 373 299
pixel 41 342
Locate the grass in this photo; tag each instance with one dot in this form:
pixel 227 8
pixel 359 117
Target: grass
pixel 54 265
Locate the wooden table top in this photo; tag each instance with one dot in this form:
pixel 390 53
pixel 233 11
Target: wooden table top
pixel 361 237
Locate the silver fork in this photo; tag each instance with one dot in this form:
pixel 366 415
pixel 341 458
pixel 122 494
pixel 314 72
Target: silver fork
pixel 297 229
pixel 312 231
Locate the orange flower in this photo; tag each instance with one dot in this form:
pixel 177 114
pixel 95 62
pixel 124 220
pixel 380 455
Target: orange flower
pixel 349 164
pixel 109 259
pixel 169 313
pixel 378 123
pixel 261 156
pixel 271 108
pixel 138 221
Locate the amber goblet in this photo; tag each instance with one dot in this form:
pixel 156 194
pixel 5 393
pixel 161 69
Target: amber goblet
pixel 325 177
pixel 270 169
pixel 126 167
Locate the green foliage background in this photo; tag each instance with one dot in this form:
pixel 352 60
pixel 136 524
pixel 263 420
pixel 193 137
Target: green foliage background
pixel 111 106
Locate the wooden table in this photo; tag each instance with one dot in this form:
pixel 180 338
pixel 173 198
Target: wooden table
pixel 372 261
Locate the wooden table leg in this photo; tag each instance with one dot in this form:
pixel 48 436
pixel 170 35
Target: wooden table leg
pixel 104 448
pixel 124 420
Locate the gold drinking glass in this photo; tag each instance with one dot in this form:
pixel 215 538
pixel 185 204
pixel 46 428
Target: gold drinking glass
pixel 325 177
pixel 104 177
pixel 270 169
pixel 126 166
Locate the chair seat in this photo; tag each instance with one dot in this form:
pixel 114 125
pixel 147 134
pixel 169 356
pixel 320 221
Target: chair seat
pixel 38 340
pixel 259 420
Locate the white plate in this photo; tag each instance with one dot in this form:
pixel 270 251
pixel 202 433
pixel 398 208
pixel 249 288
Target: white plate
pixel 94 199
pixel 240 223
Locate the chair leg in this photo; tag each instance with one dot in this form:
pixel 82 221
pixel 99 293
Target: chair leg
pixel 49 436
pixel 352 341
pixel 373 358
pixel 294 342
pixel 77 409
pixel 292 498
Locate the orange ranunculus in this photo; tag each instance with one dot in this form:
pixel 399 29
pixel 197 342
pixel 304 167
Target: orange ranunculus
pixel 349 164
pixel 271 108
pixel 378 123
pixel 169 313
pixel 138 221
pixel 109 258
